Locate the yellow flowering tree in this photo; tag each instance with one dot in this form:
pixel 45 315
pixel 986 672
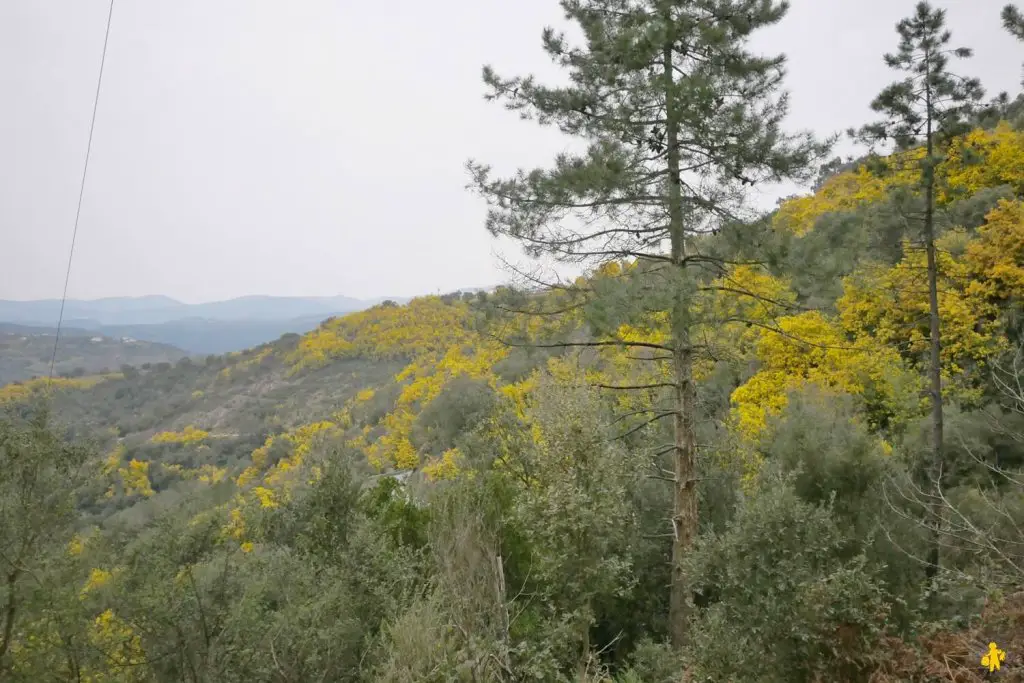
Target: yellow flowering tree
pixel 994 260
pixel 890 306
pixel 135 478
pixel 294 446
pixel 189 436
pixel 424 325
pixel 978 160
pixel 22 391
pixel 848 191
pixel 842 192
pixel 741 303
pixel 425 379
pixel 983 159
pixel 131 478
pixel 812 348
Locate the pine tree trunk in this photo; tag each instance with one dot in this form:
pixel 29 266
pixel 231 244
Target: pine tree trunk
pixel 935 341
pixel 935 381
pixel 684 508
pixel 684 505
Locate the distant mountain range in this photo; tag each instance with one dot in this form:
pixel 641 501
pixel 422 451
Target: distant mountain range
pixel 151 310
pixel 215 327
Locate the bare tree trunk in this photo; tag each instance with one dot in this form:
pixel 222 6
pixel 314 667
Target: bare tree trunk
pixel 935 346
pixel 684 506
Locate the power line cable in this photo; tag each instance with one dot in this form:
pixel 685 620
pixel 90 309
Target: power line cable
pixel 81 192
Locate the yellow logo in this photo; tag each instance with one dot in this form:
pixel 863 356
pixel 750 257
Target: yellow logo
pixel 993 658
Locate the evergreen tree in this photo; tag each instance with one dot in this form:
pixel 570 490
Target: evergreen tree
pixel 926 108
pixel 1013 21
pixel 679 118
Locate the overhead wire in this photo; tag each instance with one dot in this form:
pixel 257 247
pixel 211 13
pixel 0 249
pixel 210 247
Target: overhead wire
pixel 81 193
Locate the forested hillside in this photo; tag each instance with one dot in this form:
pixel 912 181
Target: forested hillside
pixel 718 455
pixel 26 352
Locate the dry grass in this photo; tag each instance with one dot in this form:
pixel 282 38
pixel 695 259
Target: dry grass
pixel 956 656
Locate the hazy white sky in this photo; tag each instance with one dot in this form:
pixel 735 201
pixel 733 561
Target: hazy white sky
pixel 316 147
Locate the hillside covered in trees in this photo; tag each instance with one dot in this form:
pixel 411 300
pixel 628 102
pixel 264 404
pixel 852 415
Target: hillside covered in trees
pixel 740 447
pixel 27 352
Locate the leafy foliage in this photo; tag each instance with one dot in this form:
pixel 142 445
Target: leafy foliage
pixel 809 607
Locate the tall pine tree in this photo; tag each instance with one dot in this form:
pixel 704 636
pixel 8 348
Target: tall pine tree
pixel 679 118
pixel 926 108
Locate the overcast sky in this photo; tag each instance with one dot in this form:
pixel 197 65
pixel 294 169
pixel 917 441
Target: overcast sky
pixel 317 147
